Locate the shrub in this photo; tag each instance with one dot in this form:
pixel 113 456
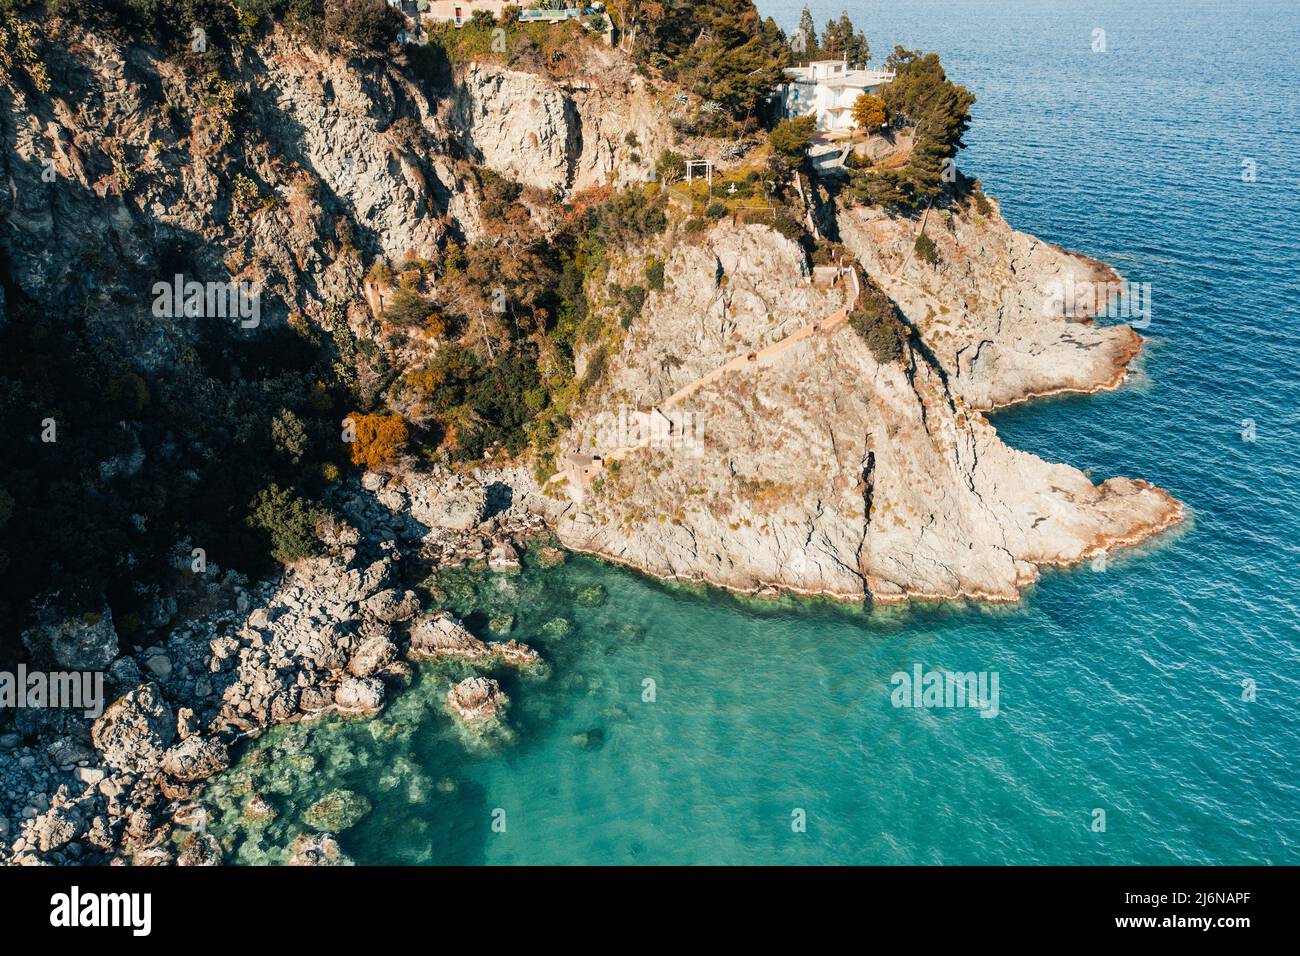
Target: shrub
pixel 287 520
pixel 370 25
pixel 877 320
pixel 404 306
pixel 654 274
pixel 926 250
pixel 378 440
pixel 632 215
pixel 716 210
pixel 791 137
pixel 634 296
pixel 289 435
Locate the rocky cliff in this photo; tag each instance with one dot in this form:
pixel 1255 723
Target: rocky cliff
pixel 986 307
pixel 821 469
pixel 784 451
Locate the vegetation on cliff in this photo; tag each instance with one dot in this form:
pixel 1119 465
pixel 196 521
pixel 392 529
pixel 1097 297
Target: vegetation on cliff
pixel 922 96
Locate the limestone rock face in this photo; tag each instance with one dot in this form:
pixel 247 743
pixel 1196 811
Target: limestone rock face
pixel 989 310
pixel 821 470
pixel 478 700
pixel 456 504
pixel 604 124
pixel 135 731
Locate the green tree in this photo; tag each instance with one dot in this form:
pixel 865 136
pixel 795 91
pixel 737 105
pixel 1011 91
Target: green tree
pixel 939 110
pixel 722 51
pixel 288 522
pixel 290 435
pixel 877 320
pixel 804 41
pixel 841 41
pixel 790 138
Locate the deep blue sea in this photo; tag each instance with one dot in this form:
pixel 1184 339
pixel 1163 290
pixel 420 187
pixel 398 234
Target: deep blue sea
pixel 1158 695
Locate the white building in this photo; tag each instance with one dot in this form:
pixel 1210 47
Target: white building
pixel 458 11
pixel 827 89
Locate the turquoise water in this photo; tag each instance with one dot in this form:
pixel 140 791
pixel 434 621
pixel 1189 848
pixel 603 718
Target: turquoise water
pixel 1120 690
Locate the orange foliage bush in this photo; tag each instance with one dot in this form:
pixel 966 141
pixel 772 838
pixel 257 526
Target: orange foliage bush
pixel 378 440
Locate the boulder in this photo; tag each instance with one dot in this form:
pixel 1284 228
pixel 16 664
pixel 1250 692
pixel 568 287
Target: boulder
pixel 392 606
pixel 200 849
pixel 316 849
pixel 360 695
pixel 515 653
pixel 135 731
pixel 196 758
pixel 503 556
pixel 442 636
pixel 374 654
pixel 455 505
pixel 478 700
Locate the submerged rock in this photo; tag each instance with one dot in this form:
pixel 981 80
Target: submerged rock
pixel 316 849
pixel 593 596
pixel 592 739
pixel 337 810
pixel 557 627
pixel 258 810
pixel 551 557
pixel 200 849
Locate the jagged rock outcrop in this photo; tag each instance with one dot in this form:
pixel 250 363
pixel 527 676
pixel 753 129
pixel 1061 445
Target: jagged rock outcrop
pixel 440 636
pixel 989 310
pixel 135 731
pixel 478 700
pixel 822 470
pixel 600 124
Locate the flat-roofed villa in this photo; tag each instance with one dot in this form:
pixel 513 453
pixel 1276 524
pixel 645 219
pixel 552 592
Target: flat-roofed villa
pixel 827 89
pixel 459 11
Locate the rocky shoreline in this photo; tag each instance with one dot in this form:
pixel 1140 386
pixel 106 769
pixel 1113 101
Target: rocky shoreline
pixel 338 634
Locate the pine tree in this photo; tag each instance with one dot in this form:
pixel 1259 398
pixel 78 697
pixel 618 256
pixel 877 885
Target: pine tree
pixel 804 42
pixel 841 41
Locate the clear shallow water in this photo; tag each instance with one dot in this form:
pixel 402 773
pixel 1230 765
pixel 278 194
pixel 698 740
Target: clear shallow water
pixel 1119 690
